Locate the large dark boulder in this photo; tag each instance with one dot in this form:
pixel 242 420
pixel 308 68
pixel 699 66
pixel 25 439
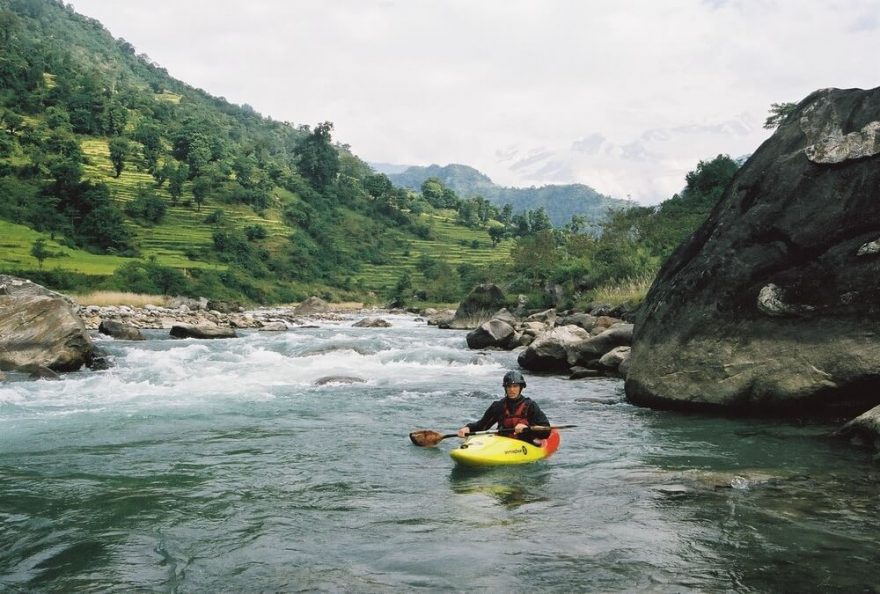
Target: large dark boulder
pixel 492 334
pixel 864 429
pixel 478 307
pixel 310 306
pixel 595 347
pixel 773 304
pixel 40 328
pixel 552 350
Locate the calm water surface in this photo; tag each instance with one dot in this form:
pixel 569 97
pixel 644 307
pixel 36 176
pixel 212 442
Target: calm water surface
pixel 221 466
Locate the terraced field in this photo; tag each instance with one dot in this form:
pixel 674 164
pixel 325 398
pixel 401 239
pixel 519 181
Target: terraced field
pixel 15 253
pixel 183 228
pixel 452 243
pixel 184 231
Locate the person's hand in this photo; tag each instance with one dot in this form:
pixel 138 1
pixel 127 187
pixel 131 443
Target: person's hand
pixel 520 428
pixel 464 431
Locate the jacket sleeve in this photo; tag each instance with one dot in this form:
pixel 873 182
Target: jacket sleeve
pixel 537 417
pixel 490 417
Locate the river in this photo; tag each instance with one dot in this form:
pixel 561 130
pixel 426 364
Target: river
pixel 220 466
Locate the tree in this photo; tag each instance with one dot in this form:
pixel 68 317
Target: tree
pixel 119 148
pixel 539 220
pixel 432 190
pixel 146 206
pixel 114 118
pixel 244 167
pixel 438 195
pixel 576 224
pixel 444 284
pixel 377 185
pixel 198 155
pixel 497 234
pixel 506 215
pixel 201 187
pixel 521 224
pixel 707 182
pixel 67 174
pixel 150 137
pixel 163 173
pixel 778 113
pixel 57 118
pixel 318 160
pixel 176 179
pixel 39 251
pixel 255 232
pixel 402 291
pixel 12 121
pixel 9 24
pixel 534 256
pixel 104 228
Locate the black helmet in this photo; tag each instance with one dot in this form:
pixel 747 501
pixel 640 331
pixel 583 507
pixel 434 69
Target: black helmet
pixel 512 378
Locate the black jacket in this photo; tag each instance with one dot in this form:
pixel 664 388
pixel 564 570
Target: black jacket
pixel 495 413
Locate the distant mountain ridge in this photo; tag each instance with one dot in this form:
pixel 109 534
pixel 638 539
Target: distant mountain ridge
pixel 560 201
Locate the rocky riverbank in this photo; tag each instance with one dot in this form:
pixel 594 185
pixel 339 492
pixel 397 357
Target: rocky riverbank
pixel 43 332
pixel 155 317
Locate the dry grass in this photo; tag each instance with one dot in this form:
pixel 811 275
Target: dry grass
pixel 347 306
pixel 631 291
pixel 104 298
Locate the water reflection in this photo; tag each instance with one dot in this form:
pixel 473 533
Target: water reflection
pixel 510 486
pixel 759 506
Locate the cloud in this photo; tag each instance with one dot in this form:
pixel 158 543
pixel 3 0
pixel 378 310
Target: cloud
pixel 865 23
pixel 624 97
pixel 652 165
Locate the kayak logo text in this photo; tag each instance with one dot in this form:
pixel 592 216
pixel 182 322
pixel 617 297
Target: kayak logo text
pixel 522 450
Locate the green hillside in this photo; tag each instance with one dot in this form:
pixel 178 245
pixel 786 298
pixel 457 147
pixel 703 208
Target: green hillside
pixel 561 202
pixel 134 180
pixel 114 175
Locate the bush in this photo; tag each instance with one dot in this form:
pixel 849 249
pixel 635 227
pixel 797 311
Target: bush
pixel 422 231
pixel 104 229
pixel 147 207
pixel 148 277
pixel 255 232
pixel 58 280
pixel 216 217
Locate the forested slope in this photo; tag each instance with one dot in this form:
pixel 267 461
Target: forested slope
pixel 123 174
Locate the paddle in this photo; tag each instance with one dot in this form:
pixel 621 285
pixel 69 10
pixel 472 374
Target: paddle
pixel 427 439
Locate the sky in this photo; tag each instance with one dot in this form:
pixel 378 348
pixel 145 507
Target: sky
pixel 624 96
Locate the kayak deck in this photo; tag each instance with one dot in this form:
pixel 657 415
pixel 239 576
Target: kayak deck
pixel 497 450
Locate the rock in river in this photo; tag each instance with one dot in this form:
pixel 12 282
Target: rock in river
pixel 773 304
pixel 40 328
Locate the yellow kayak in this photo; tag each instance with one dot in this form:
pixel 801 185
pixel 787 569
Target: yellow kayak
pixel 497 450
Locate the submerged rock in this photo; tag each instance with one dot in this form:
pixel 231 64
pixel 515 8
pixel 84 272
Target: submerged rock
pixel 372 323
pixel 339 379
pixel 773 304
pixel 204 332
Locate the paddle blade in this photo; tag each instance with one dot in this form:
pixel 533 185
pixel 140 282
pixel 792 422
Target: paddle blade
pixel 426 438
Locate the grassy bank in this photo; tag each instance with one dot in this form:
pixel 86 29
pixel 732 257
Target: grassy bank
pixel 630 292
pixel 107 298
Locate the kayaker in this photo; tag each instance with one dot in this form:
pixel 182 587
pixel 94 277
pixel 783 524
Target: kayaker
pixel 513 412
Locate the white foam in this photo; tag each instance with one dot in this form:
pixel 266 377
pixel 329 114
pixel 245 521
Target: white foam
pixel 159 374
